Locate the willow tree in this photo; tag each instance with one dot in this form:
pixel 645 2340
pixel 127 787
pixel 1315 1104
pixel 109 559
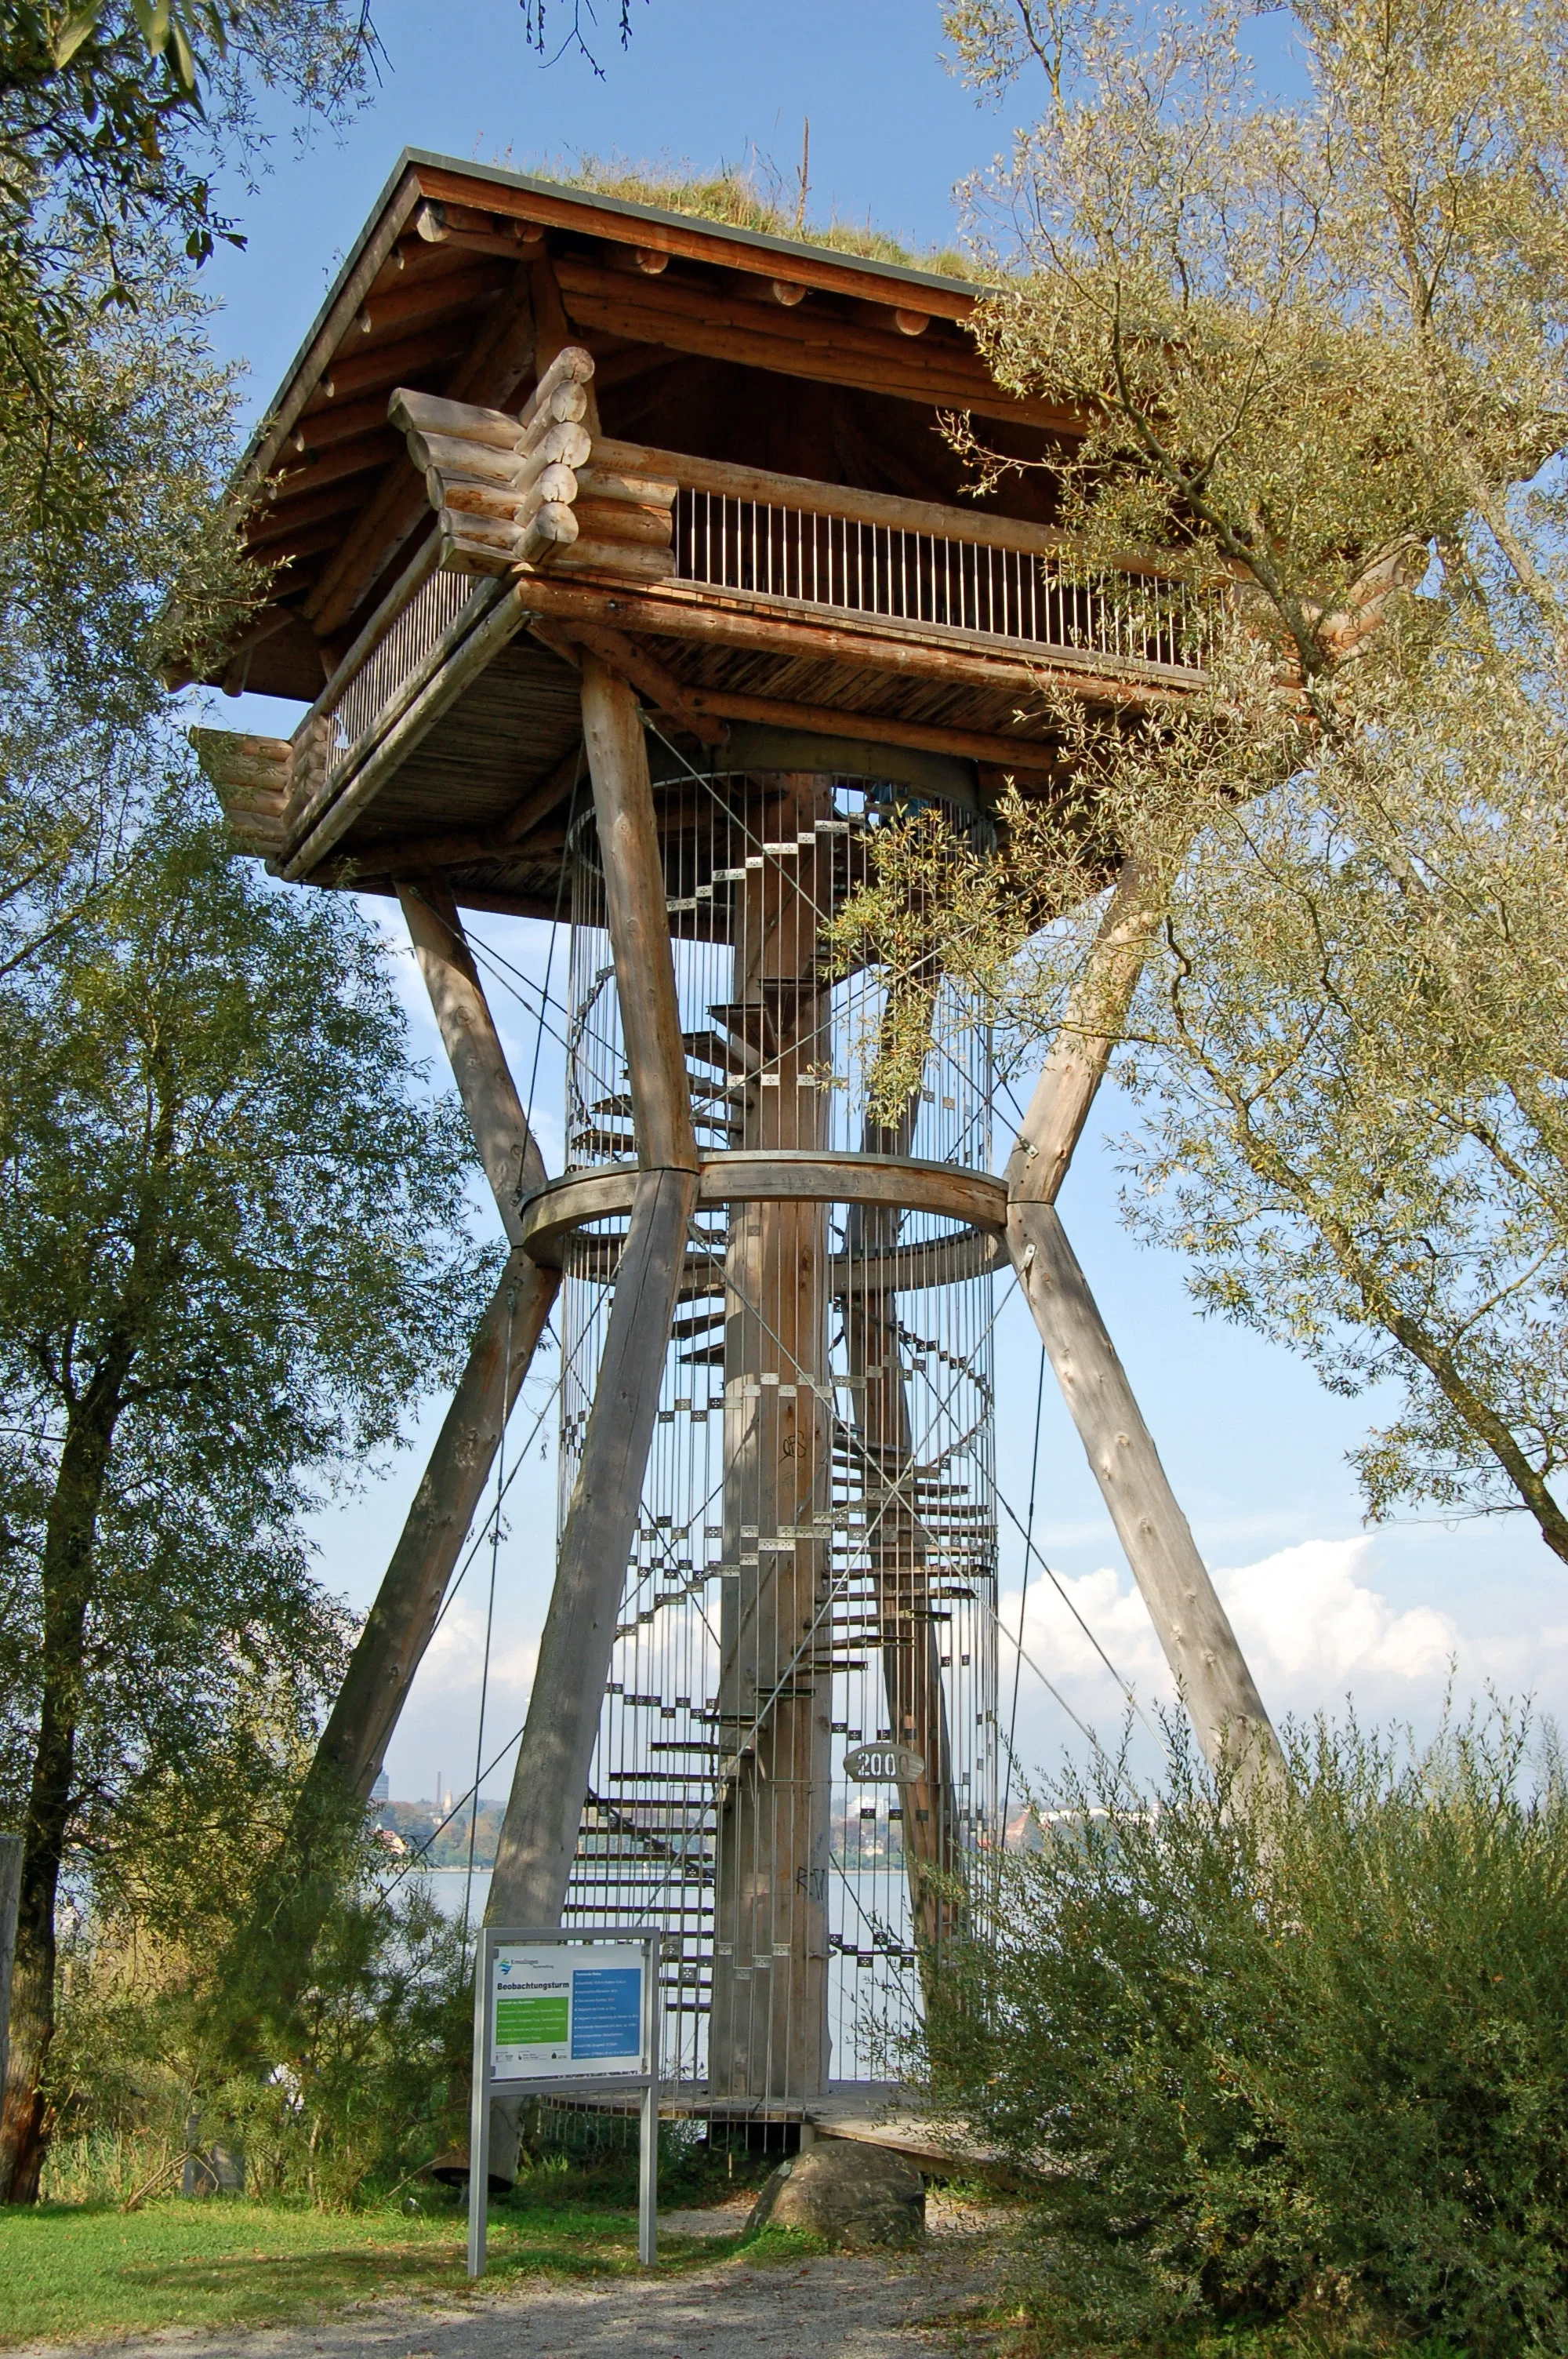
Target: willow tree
pixel 232 1252
pixel 1318 349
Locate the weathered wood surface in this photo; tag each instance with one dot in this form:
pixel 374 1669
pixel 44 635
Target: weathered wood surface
pixel 410 854
pixel 498 363
pixel 848 501
pixel 250 776
pixel 645 673
pixel 870 643
pixel 639 927
pixel 398 1627
pixel 543 1811
pixel 1076 1066
pixel 768 2030
pixel 412 580
pixel 473 231
pixel 311 790
pixel 349 795
pixel 718 704
pixel 1189 1620
pixel 506 490
pixel 511 1157
pixel 539 1833
pixel 576 210
pixel 1192 1624
pixel 728 324
pixel 407 305
pixel 736 1176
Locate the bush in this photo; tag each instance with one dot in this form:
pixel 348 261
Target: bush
pixel 1299 2057
pixel 366 2081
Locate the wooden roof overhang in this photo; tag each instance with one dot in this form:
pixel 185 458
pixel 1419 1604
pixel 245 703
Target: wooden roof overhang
pixel 727 367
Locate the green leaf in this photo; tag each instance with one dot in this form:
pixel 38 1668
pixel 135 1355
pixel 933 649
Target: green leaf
pixel 184 55
pixel 153 16
pixel 75 30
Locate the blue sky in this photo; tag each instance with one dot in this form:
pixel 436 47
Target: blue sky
pixel 1254 1448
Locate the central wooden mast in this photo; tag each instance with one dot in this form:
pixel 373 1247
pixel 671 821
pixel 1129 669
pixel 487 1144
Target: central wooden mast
pixel 768 2036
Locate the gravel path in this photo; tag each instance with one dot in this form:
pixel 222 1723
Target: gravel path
pixel 836 2307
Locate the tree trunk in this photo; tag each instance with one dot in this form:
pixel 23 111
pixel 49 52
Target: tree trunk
pixel 69 1536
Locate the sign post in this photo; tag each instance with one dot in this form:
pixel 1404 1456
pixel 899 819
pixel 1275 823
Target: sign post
pixel 555 2012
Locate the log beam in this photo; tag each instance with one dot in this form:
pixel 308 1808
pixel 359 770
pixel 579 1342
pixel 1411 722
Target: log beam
pixel 543 1811
pixel 869 644
pixel 664 691
pixel 1029 754
pixel 1190 1622
pixel 639 925
pixel 511 1160
pixel 539 1834
pixel 398 1627
pixel 397 1631
pixel 1091 1026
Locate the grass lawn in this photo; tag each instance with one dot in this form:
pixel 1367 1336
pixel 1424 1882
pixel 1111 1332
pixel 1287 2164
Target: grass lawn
pixel 78 2272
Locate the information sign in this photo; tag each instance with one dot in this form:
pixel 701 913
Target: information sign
pixel 555 2011
pixel 559 2015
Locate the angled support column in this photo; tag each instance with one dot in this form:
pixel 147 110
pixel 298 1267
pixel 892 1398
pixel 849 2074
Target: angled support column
pixel 351 1747
pixel 1192 1624
pixel 398 1627
pixel 1091 1025
pixel 507 1150
pixel 538 1838
pixel 397 1630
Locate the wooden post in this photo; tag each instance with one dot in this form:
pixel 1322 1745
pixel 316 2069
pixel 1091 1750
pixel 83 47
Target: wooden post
pixel 398 1627
pixel 511 1160
pixel 397 1630
pixel 911 1651
pixel 1090 1028
pixel 539 1837
pixel 639 925
pixel 543 1811
pixel 1192 1624
pixel 768 2031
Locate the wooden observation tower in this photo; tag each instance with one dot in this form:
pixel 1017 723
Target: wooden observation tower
pixel 624 585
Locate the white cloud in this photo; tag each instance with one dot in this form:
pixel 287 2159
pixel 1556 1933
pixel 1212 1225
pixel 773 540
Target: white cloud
pixel 1305 1613
pixel 1310 1622
pixel 454 1662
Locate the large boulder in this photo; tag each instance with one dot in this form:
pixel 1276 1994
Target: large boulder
pixel 849 2194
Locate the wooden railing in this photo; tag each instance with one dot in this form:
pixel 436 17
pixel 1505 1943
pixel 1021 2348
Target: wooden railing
pixel 540 494
pixel 787 540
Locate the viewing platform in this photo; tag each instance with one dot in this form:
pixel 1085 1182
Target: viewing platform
pixel 440 557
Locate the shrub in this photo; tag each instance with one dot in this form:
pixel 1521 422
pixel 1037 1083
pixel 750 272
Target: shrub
pixel 366 2082
pixel 1297 2055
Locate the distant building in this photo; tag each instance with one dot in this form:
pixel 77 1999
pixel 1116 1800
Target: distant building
pixel 382 1791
